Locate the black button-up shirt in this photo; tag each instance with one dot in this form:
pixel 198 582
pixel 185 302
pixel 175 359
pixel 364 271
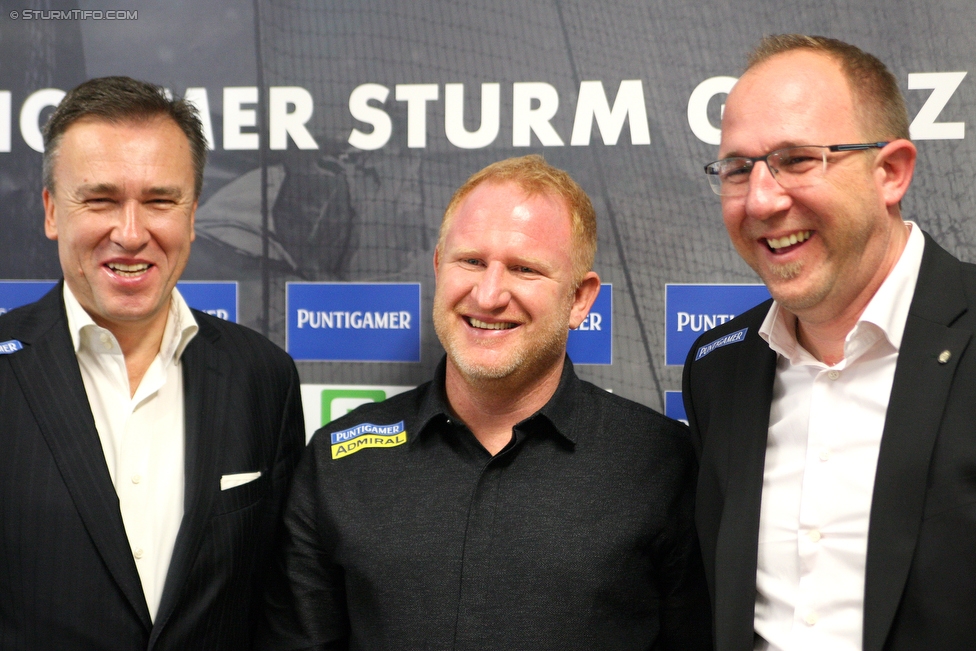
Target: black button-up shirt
pixel 578 535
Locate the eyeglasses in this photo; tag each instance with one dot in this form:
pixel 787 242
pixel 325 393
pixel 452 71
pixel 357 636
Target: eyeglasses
pixel 792 167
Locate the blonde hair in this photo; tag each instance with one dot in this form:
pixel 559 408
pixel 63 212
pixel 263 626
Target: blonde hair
pixel 535 176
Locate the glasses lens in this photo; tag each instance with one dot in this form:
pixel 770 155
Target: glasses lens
pixel 798 166
pixel 729 176
pixel 714 182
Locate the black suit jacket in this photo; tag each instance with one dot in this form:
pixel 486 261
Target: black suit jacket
pixel 920 582
pixel 67 576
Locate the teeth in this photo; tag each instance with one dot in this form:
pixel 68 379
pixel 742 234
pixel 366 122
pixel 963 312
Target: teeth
pixel 489 326
pixel 128 269
pixel 788 240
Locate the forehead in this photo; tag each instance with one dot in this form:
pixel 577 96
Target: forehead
pixel 500 222
pixel 795 98
pixel 499 208
pixel 155 144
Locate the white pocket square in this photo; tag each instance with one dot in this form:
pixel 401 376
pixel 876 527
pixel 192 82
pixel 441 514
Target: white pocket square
pixel 232 481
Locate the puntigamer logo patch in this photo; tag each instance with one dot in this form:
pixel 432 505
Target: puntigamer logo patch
pixel 12 346
pixel 732 338
pixel 367 435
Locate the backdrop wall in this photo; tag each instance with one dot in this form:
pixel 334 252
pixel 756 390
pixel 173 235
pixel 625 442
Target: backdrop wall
pixel 339 130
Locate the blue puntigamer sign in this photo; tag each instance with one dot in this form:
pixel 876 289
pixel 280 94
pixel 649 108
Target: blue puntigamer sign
pixel 14 293
pixel 694 309
pixel 218 299
pixel 354 322
pixel 592 342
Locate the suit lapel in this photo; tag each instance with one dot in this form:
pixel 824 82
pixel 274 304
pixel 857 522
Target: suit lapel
pixel 737 545
pixel 915 408
pixel 206 374
pixel 47 371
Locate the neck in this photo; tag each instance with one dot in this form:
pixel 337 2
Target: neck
pixel 140 343
pixel 492 408
pixel 824 343
pixel 822 331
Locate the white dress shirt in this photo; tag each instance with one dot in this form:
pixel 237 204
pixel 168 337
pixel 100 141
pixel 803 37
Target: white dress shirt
pixel 141 434
pixel 825 426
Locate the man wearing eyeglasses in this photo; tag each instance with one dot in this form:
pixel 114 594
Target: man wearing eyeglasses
pixel 836 500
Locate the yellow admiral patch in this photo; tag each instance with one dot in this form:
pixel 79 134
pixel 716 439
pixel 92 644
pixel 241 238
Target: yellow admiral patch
pixel 367 435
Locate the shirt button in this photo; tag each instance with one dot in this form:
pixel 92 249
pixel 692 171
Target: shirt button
pixel 137 552
pixel 824 454
pixel 814 535
pixel 136 479
pixel 810 619
pixel 833 375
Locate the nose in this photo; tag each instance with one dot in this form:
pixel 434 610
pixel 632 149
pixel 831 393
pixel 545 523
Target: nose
pixel 131 232
pixel 765 196
pixel 491 291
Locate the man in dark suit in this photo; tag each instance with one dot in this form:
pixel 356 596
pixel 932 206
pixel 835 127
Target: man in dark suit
pixel 146 447
pixel 836 500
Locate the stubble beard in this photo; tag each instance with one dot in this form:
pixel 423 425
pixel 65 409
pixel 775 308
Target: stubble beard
pixel 526 360
pixel 847 245
pixel 787 272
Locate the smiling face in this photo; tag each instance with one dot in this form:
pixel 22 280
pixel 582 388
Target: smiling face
pixel 122 215
pixel 505 297
pixel 818 249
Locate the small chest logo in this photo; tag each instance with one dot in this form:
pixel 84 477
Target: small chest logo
pixel 367 435
pixel 731 338
pixel 11 346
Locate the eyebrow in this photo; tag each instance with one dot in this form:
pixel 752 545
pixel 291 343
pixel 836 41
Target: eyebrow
pixel 97 188
pixel 784 144
pixel 169 192
pixel 521 261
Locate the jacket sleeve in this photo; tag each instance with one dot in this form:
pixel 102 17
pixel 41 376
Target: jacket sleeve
pixel 686 619
pixel 305 601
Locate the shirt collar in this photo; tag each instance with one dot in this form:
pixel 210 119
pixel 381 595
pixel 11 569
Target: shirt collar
pixel 433 405
pixel 559 412
pixel 180 329
pixel 887 310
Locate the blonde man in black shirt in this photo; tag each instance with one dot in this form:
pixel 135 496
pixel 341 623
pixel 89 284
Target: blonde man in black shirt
pixel 506 504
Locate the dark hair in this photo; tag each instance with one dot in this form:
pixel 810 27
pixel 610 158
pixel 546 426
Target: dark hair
pixel 878 101
pixel 118 100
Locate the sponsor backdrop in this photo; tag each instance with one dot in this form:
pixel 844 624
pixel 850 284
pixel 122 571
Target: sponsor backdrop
pixel 338 131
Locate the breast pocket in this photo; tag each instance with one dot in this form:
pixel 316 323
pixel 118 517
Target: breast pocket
pixel 242 496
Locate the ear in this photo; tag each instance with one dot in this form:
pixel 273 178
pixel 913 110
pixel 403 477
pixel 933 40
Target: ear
pixel 895 166
pixel 193 220
pixel 583 299
pixel 50 223
pixel 437 258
